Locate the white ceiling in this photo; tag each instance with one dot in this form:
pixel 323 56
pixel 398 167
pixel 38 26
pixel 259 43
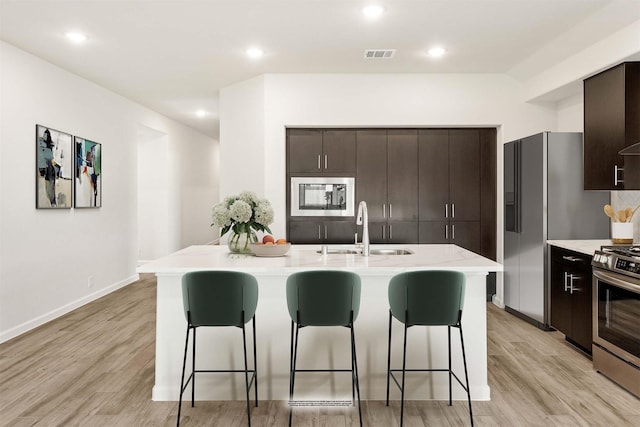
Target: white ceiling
pixel 174 56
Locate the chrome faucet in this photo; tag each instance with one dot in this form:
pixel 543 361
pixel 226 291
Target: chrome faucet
pixel 363 219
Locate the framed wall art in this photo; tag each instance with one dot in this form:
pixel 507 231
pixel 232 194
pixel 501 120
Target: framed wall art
pixel 88 174
pixel 54 168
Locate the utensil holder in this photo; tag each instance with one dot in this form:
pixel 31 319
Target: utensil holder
pixel 622 232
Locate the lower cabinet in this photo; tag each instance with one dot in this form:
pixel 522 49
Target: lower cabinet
pixel 571 289
pixel 465 234
pixel 392 232
pixel 321 231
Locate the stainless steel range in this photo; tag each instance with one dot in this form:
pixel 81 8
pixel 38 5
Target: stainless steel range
pixel 616 315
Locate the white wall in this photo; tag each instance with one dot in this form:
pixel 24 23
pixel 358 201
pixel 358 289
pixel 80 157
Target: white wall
pixel 48 256
pixel 153 195
pixel 244 162
pixel 571 114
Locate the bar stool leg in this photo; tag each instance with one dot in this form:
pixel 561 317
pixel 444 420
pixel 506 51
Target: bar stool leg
pixel 404 367
pixel 389 358
pixel 184 366
pixel 354 362
pixel 193 370
pixel 466 376
pixel 246 371
pixel 353 380
pixel 294 348
pixel 255 362
pixel 449 350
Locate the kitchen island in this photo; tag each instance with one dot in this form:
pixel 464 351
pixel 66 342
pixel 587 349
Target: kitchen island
pixel 221 348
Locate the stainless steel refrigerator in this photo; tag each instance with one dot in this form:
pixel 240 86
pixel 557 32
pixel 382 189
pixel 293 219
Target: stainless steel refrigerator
pixel 544 200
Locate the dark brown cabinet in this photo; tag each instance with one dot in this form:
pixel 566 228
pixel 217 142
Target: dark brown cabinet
pixel 451 182
pixel 611 124
pixel 311 230
pixel 420 185
pixel 322 151
pixel 386 178
pixel 571 291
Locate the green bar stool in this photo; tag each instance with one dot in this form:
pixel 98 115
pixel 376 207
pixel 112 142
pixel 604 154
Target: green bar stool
pixel 427 298
pixel 323 298
pixel 219 298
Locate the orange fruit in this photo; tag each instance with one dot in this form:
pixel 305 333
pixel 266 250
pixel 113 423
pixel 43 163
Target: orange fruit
pixel 269 243
pixel 281 241
pixel 268 238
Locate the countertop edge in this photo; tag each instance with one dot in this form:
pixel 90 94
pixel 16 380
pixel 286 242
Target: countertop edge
pixel 426 257
pixel 587 247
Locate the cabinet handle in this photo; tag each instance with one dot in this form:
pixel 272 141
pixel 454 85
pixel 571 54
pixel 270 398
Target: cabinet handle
pixel 571 279
pixel 453 232
pixel 390 213
pixel 568 282
pixel 319 236
pixel 325 232
pixel 318 165
pixel 446 210
pixel 384 210
pixel 446 232
pixel 453 210
pixel 383 233
pixel 617 169
pixel 571 258
pixel 390 232
pixel 326 161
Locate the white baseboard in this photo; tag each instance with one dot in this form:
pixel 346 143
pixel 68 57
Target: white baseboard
pixel 497 301
pixel 54 314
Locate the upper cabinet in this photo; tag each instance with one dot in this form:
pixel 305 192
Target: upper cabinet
pixel 386 178
pixel 322 151
pixel 456 180
pixel 611 125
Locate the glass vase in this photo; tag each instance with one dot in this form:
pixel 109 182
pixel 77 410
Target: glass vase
pixel 239 243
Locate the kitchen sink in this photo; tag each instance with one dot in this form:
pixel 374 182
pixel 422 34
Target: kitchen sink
pixel 390 252
pixel 343 251
pixel 340 251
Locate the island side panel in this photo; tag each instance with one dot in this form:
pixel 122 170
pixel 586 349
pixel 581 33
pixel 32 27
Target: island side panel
pixel 319 348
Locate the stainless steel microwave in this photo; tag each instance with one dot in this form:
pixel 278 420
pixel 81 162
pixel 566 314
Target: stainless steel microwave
pixel 323 196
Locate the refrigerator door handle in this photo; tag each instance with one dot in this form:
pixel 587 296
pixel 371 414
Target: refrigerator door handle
pixel 518 183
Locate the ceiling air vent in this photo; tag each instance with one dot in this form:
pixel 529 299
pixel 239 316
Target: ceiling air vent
pixel 379 53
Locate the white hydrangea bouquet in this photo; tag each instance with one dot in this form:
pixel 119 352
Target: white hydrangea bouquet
pixel 243 214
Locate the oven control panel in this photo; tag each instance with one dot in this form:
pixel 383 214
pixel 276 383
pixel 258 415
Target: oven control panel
pixel 621 263
pixel 627 265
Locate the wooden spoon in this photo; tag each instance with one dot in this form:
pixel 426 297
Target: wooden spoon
pixel 622 216
pixel 608 211
pixel 629 213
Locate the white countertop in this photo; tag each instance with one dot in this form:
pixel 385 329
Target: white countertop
pixel 305 257
pixel 587 247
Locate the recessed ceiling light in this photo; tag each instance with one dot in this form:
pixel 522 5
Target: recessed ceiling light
pixel 201 113
pixel 255 52
pixel 436 52
pixel 76 37
pixel 373 11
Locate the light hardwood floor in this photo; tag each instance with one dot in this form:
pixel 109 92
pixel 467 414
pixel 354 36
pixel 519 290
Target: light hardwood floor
pixel 95 367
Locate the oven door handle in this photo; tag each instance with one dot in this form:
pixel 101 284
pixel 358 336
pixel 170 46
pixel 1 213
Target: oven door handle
pixel 612 279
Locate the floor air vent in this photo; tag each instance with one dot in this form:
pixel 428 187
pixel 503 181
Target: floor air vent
pixel 379 53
